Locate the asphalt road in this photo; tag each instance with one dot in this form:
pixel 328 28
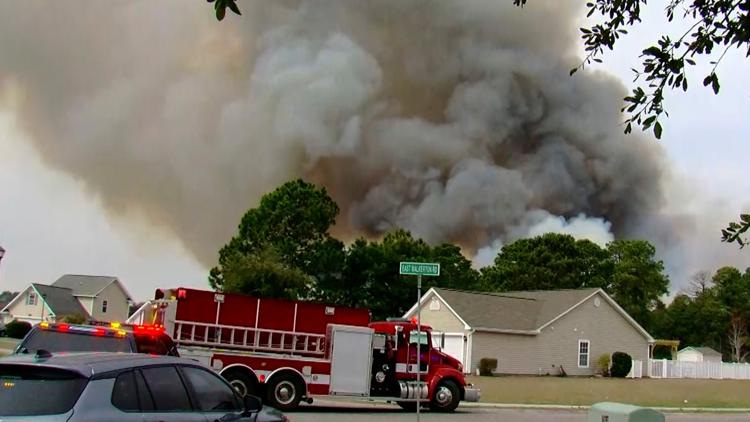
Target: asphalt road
pixel 364 412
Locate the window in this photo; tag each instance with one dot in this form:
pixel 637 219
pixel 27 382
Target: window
pixel 31 299
pixel 150 345
pixel 583 353
pixel 125 393
pixel 213 394
pixel 167 390
pixel 104 306
pixel 36 390
pixel 56 341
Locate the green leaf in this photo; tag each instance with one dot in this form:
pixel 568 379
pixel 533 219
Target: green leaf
pixel 707 80
pixel 220 12
pixel 657 130
pixel 233 5
pixel 715 84
pixel 745 218
pixel 574 70
pixel 649 122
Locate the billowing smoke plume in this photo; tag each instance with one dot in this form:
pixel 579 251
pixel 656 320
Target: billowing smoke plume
pixel 456 119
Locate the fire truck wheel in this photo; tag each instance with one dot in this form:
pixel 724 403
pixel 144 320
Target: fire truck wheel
pixel 242 382
pixel 284 391
pixel 446 397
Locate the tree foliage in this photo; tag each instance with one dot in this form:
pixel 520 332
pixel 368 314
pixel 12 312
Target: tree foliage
pixel 549 261
pixel 716 316
pixel 626 269
pixel 735 232
pixel 638 281
pixel 715 26
pixel 289 227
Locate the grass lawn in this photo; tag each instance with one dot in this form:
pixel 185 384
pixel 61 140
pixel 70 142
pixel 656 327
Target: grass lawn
pixel 586 391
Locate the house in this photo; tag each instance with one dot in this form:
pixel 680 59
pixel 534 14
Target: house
pixel 532 332
pixel 40 302
pixel 698 354
pixel 100 298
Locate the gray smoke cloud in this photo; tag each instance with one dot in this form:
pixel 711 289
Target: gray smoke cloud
pixel 456 120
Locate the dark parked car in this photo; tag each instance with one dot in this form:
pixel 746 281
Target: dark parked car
pixel 61 337
pixel 120 387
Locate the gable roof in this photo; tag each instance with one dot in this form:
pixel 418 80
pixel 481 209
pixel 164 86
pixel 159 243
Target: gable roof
pixel 60 300
pixel 706 351
pixel 519 312
pixel 87 285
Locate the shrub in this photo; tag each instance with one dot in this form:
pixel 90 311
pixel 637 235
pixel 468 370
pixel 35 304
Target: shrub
pixel 487 366
pixel 17 329
pixel 74 319
pixel 603 364
pixel 621 364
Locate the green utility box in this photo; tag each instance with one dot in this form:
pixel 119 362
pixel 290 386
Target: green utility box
pixel 618 412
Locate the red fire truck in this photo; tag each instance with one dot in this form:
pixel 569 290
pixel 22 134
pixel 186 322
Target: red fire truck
pixel 290 351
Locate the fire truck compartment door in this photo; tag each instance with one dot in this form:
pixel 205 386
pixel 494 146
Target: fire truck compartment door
pixel 351 360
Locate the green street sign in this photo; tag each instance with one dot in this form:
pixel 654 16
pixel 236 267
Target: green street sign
pixel 419 268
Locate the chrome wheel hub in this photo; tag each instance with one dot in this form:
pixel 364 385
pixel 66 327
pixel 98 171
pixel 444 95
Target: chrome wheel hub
pixel 239 386
pixel 285 392
pixel 443 396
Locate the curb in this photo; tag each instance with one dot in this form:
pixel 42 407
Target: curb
pixel 586 407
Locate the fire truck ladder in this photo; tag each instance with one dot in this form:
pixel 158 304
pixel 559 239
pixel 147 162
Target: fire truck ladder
pixel 248 338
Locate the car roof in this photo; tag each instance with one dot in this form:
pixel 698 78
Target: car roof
pixel 92 363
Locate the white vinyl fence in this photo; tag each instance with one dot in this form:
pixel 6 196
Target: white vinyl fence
pixel 662 368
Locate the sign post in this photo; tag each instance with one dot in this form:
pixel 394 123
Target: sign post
pixel 419 269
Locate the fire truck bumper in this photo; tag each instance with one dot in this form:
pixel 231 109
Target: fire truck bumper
pixel 471 393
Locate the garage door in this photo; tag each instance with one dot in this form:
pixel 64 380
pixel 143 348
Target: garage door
pixel 453 345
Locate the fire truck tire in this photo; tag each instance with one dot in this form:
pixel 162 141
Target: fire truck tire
pixel 242 381
pixel 284 391
pixel 446 397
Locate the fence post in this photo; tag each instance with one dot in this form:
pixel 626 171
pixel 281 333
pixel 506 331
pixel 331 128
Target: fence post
pixel 664 373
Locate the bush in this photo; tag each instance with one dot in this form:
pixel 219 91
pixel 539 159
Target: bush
pixel 74 319
pixel 487 366
pixel 621 364
pixel 17 329
pixel 603 364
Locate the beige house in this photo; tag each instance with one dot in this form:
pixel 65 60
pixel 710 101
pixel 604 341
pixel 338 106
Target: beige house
pixel 99 298
pixel 533 332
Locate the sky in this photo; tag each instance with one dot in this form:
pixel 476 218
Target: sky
pixel 51 224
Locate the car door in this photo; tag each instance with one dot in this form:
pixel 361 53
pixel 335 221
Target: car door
pixel 214 396
pixel 167 399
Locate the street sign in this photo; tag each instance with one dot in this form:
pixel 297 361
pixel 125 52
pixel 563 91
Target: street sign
pixel 419 268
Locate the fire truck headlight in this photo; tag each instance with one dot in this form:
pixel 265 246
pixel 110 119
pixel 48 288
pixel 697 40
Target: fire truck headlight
pixel 380 377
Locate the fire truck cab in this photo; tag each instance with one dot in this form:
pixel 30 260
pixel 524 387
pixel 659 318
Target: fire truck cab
pixel 289 351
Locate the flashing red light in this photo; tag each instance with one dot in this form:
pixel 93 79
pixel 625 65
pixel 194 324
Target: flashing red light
pixel 262 378
pixel 181 293
pixel 414 320
pixel 148 329
pixel 63 327
pixel 100 332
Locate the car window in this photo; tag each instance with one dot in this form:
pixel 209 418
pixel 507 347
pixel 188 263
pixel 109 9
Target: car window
pixel 167 389
pixel 212 393
pixel 144 395
pixel 54 341
pixel 29 391
pixel 151 345
pixel 125 393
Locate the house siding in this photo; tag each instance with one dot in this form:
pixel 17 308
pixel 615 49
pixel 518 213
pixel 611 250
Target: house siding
pixel 557 345
pixel 117 304
pixel 442 320
pixel 32 313
pixel 87 303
